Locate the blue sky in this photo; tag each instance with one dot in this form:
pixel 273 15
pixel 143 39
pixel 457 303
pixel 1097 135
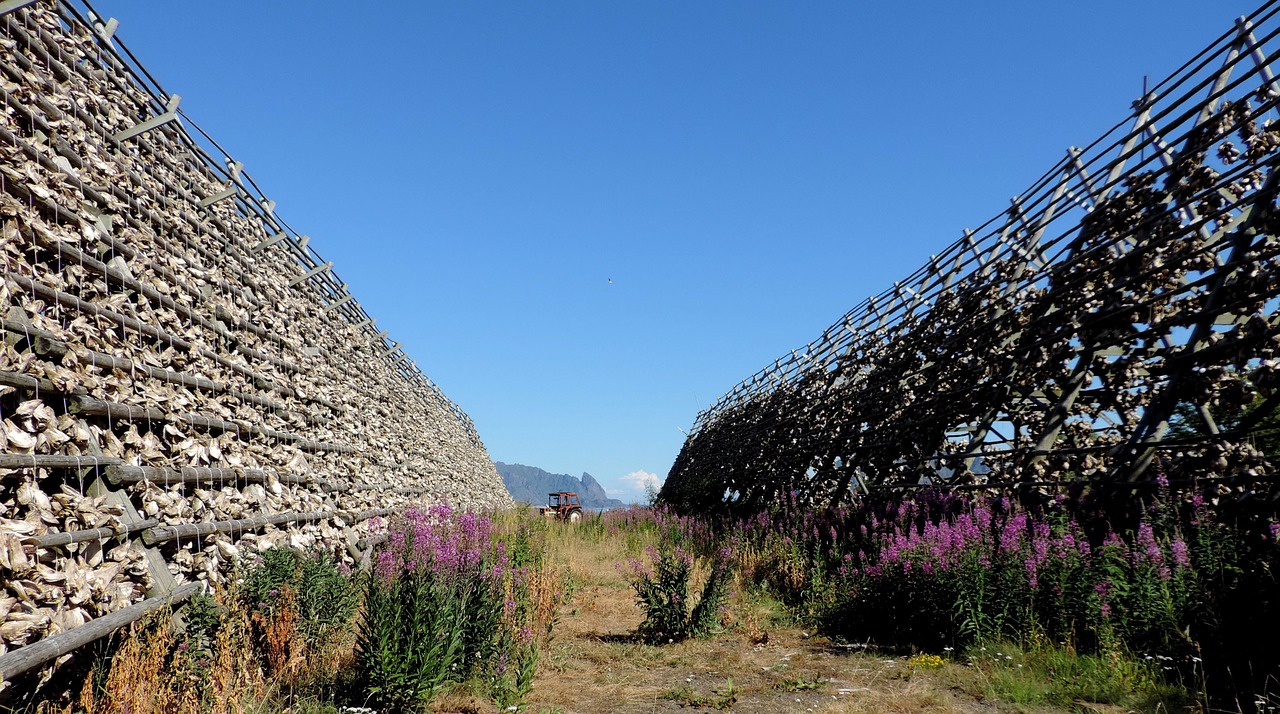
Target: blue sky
pixel 744 173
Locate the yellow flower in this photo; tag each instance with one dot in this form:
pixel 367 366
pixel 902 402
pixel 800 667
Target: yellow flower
pixel 925 661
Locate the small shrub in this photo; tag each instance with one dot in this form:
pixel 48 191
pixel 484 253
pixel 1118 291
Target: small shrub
pixel 662 591
pixel 723 698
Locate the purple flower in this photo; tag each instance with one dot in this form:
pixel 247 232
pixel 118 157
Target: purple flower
pixel 1180 557
pixel 1147 544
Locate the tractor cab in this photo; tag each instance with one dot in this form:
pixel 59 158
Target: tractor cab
pixel 564 506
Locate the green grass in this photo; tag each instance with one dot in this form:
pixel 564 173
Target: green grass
pixel 1049 674
pixel 800 683
pixel 685 696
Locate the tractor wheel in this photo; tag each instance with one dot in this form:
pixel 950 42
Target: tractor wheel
pixel 575 516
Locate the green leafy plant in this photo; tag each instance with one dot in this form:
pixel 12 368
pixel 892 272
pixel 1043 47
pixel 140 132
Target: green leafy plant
pixel 412 639
pixel 722 698
pixel 662 591
pixel 323 594
pixel 452 601
pixel 800 683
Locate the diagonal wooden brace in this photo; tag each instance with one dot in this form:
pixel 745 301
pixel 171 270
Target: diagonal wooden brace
pixel 220 196
pixel 311 274
pixel 338 303
pixel 170 114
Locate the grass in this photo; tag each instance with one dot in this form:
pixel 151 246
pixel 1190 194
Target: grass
pixel 594 663
pixel 722 698
pixel 596 666
pixel 801 683
pixel 759 660
pixel 1056 675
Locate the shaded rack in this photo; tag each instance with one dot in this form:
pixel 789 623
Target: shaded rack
pixel 1138 275
pixel 1233 480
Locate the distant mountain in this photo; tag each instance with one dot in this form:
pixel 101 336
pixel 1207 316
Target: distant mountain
pixel 531 485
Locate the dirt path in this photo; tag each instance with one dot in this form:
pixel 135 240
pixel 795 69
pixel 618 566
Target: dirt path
pixel 594 665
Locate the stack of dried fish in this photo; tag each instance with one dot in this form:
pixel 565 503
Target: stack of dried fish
pixel 175 392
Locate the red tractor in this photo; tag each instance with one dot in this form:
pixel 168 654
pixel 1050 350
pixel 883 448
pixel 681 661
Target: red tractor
pixel 563 506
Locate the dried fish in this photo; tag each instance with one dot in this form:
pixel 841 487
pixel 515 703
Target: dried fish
pixel 165 340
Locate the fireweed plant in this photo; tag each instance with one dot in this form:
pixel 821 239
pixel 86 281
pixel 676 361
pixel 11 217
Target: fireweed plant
pixel 449 601
pixel 1165 576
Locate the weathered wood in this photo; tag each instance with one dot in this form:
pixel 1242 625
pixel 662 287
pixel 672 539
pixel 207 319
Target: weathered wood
pixel 162 581
pixel 55 461
pixel 402 490
pixel 128 412
pixel 43 342
pixel 195 381
pixel 50 540
pixel 163 534
pixel 25 659
pixel 165 476
pixel 113 410
pixel 366 515
pixel 371 541
pixel 19 380
pixel 305 444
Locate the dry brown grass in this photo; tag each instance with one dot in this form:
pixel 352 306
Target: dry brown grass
pixel 137 681
pixel 284 649
pixel 147 675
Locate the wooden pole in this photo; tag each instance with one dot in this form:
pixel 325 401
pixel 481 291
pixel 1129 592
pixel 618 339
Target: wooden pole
pixel 27 658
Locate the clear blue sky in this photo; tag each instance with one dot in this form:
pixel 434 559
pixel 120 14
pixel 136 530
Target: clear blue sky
pixel 744 172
